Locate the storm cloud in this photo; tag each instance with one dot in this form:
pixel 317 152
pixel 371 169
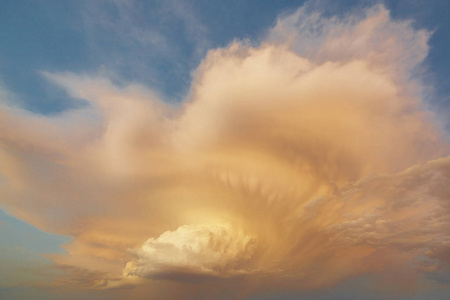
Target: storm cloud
pixel 301 161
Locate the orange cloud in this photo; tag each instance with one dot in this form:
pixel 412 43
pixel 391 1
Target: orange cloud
pixel 299 162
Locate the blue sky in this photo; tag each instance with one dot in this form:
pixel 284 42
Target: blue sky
pixel 22 248
pixel 51 52
pixel 107 36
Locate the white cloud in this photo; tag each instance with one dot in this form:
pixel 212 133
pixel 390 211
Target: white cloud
pixel 193 250
pixel 372 36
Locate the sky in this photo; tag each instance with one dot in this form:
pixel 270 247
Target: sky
pixel 224 149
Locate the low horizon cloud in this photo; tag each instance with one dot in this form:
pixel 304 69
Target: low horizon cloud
pixel 297 163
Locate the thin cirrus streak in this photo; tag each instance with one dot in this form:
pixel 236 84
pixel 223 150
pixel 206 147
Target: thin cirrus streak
pixel 301 162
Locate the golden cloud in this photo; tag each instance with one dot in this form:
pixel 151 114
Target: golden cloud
pixel 302 161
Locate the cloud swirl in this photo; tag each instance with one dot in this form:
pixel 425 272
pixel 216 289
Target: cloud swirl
pixel 301 161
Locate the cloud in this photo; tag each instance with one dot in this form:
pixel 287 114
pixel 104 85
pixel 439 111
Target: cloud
pixel 130 45
pixel 193 250
pixel 300 162
pixel 370 35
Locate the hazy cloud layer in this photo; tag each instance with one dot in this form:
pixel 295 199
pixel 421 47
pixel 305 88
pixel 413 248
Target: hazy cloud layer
pixel 300 162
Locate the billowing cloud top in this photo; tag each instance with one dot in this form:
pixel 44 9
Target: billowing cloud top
pixel 193 249
pixel 302 161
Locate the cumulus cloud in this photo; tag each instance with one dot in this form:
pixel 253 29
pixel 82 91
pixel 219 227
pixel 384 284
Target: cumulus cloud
pixel 312 148
pixel 203 250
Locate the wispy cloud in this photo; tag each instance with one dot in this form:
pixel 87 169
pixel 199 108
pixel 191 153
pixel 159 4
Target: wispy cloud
pixel 168 37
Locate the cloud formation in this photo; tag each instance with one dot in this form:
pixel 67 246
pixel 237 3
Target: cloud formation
pixel 299 162
pixel 201 250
